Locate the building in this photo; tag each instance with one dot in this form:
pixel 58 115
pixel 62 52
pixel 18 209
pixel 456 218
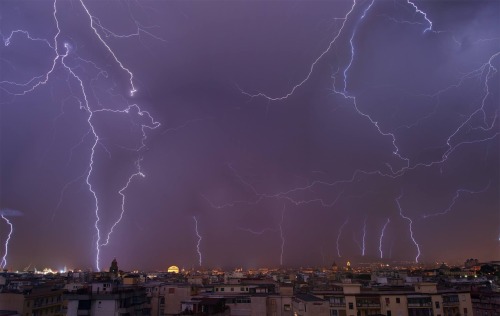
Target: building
pixel 423 299
pixel 106 299
pixel 39 300
pixel 309 305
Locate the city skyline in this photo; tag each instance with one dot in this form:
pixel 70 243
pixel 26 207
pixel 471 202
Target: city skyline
pixel 216 134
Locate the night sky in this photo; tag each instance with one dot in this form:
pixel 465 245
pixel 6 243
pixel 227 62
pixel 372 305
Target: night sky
pixel 285 132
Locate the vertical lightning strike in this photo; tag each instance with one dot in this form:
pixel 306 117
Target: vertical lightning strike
pixel 199 239
pixel 364 239
pixel 362 246
pixel 338 236
pixel 357 242
pixel 3 263
pixel 409 225
pixel 382 237
pixel 281 235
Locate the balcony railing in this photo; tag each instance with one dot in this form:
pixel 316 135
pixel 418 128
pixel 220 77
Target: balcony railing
pixel 424 304
pixel 377 305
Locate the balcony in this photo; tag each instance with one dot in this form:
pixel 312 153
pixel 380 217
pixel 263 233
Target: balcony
pixel 368 302
pixel 337 304
pixel 420 304
pixel 368 305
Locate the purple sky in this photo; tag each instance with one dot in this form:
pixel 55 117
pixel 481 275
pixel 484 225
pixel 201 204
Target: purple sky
pixel 292 132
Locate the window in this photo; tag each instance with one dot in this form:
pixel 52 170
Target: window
pixel 287 307
pixel 242 289
pixel 232 289
pixel 436 304
pixel 398 300
pixel 387 301
pixel 465 311
pixel 216 289
pixel 222 289
pixel 171 290
pixel 389 313
pixel 334 312
pixel 351 305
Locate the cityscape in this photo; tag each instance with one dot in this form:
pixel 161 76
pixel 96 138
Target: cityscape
pixel 336 158
pixel 338 290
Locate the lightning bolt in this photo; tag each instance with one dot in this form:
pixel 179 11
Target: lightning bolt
pixel 61 54
pixel 364 238
pixel 486 71
pixel 61 196
pixel 362 246
pixel 257 232
pixel 311 68
pixel 282 235
pixel 3 263
pixel 137 174
pixel 382 237
pixel 457 195
pixel 410 223
pixel 199 239
pixel 338 236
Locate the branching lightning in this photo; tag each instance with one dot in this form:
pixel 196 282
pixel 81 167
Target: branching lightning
pixel 61 54
pixel 485 72
pixel 476 119
pixel 458 193
pixel 311 68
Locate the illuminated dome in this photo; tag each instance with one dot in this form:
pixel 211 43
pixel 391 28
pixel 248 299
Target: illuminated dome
pixel 173 269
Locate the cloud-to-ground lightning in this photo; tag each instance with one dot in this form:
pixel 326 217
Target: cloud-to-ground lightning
pixel 282 235
pixel 382 237
pixel 198 243
pixel 338 237
pixel 371 115
pixel 62 52
pixel 364 239
pixel 410 224
pixel 362 245
pixel 3 263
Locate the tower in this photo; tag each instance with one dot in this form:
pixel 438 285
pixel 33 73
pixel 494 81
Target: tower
pixel 114 267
